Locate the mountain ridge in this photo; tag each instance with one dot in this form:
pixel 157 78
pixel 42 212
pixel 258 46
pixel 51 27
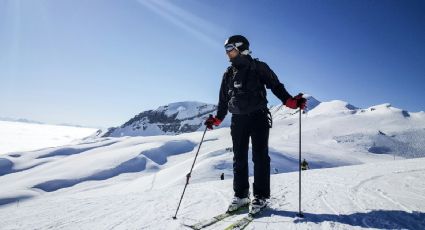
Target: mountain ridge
pixel 189 116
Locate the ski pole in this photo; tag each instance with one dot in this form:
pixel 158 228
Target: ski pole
pixel 188 175
pixel 300 214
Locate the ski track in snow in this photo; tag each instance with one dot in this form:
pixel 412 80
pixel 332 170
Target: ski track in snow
pixel 329 201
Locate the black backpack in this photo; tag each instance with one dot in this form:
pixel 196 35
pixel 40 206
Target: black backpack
pixel 250 83
pixel 247 94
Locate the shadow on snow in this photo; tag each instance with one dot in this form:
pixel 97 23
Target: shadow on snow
pixel 136 164
pixel 9 200
pixel 380 219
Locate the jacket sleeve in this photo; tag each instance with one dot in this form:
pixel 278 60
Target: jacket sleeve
pixel 223 98
pixel 269 78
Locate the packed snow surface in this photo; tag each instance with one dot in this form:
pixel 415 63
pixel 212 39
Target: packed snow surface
pixel 366 172
pixel 388 195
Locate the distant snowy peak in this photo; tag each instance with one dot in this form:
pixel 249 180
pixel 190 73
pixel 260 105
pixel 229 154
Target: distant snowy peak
pixel 22 120
pixel 186 110
pixel 339 107
pixel 174 118
pixel 311 101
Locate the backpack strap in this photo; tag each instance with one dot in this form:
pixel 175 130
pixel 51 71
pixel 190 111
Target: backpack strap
pixel 254 69
pixel 254 64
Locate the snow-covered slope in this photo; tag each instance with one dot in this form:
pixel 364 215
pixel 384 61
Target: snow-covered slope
pixel 25 136
pixel 112 182
pixel 341 126
pixel 175 118
pixel 387 195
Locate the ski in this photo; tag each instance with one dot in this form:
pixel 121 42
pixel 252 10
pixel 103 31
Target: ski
pixel 241 223
pixel 245 221
pixel 215 219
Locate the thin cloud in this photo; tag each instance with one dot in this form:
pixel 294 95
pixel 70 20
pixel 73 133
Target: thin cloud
pixel 204 30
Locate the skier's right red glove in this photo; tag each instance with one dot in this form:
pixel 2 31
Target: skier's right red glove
pixel 212 121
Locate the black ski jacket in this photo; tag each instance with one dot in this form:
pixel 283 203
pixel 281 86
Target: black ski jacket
pixel 243 85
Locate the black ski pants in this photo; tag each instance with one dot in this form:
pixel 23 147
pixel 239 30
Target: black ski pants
pixel 243 127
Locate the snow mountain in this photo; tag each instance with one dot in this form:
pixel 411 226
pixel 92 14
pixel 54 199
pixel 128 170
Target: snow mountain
pixel 171 119
pixel 176 118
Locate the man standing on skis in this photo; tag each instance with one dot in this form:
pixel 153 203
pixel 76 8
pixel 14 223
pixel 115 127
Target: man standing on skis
pixel 243 94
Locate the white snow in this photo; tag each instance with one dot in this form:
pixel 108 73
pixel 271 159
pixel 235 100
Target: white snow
pixel 21 136
pixel 360 177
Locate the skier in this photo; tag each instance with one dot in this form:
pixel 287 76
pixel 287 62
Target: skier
pixel 243 94
pixel 304 165
pixel 222 176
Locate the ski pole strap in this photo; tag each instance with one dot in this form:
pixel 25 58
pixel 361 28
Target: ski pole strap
pixel 268 114
pixel 269 118
pixel 187 178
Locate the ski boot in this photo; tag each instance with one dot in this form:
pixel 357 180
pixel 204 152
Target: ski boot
pixel 238 203
pixel 257 205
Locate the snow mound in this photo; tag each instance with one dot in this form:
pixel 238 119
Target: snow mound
pixel 333 107
pixel 405 144
pixel 387 109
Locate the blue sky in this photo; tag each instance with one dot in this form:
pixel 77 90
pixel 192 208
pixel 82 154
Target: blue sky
pixel 100 62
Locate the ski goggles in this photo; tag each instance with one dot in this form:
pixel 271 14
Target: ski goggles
pixel 229 47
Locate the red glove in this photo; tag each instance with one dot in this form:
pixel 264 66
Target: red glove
pixel 212 121
pixel 296 102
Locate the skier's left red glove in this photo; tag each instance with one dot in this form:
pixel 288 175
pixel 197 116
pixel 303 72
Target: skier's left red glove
pixel 296 102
